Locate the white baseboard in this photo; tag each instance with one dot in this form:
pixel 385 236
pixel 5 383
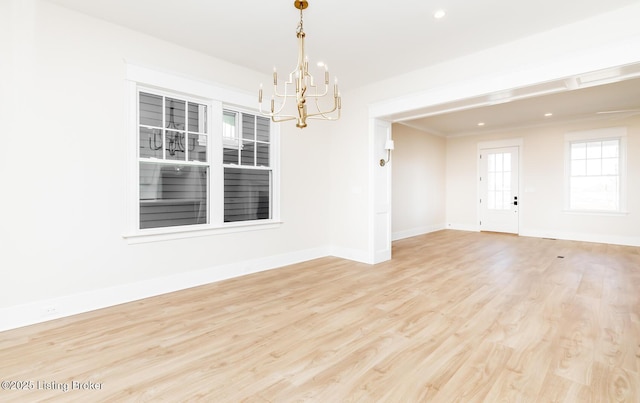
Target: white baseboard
pixel 416 231
pixel 583 237
pixel 351 254
pixel 45 310
pixel 463 227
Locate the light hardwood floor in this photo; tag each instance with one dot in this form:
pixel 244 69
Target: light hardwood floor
pixel 454 317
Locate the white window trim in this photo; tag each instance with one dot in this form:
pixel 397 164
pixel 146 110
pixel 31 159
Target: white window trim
pixel 619 133
pixel 216 98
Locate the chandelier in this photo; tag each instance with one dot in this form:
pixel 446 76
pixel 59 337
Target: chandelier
pixel 305 88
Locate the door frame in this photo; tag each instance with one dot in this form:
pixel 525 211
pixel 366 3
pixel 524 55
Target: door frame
pixel 483 145
pixel 379 192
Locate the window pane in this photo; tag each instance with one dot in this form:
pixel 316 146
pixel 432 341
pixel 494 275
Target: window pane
pixel 248 153
pixel 610 166
pixel 491 163
pixel 175 114
pixel 610 149
pixel 248 127
pixel 175 146
pixel 197 118
pixel 579 168
pixel 150 110
pixel 172 195
pixel 229 129
pixel 150 143
pixel 198 147
pixel 263 129
pixel 595 193
pixel 230 156
pixel 578 151
pixel 247 194
pixel 594 149
pixel 262 155
pixel 594 167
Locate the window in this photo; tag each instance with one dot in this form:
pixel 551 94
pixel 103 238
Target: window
pixel 197 166
pixel 595 164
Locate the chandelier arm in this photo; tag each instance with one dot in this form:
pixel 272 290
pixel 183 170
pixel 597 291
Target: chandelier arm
pixel 283 118
pixel 316 94
pixel 324 114
pixel 286 85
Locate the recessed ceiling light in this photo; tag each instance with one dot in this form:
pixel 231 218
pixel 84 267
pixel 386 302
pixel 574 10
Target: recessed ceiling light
pixel 548 114
pixel 481 124
pixel 439 14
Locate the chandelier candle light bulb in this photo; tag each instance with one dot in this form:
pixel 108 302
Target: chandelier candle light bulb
pixel 305 87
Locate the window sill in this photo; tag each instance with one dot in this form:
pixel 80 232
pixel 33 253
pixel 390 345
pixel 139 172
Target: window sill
pixel 169 234
pixel 597 213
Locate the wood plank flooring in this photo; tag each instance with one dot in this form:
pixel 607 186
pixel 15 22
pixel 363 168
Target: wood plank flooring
pixel 454 317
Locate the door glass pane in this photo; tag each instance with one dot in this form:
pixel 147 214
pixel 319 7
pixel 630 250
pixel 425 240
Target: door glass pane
pixel 507 162
pixel 491 181
pixel 499 181
pixel 507 182
pixel 499 165
pixel 491 203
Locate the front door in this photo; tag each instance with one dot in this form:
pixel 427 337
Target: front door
pixel 499 189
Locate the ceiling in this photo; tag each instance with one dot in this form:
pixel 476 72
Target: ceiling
pixel 363 42
pixel 519 109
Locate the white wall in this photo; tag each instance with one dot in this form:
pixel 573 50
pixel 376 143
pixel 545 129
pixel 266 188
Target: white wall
pixel 64 171
pixel 418 189
pixel 543 182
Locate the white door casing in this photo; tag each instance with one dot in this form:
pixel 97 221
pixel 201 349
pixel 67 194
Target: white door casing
pixel 381 193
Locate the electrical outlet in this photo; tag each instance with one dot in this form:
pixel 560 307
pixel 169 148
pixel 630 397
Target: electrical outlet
pixel 49 310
